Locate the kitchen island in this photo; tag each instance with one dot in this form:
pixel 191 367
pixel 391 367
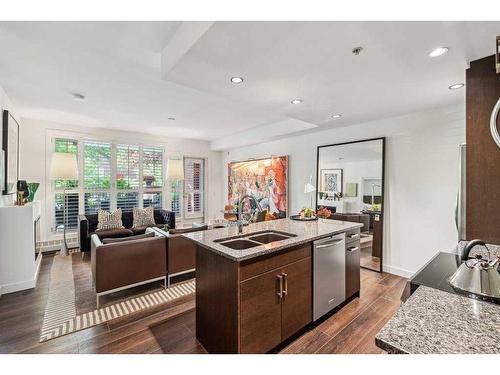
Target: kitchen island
pixel 255 290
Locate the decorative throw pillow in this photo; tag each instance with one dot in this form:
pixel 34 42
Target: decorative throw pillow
pixel 109 220
pixel 144 216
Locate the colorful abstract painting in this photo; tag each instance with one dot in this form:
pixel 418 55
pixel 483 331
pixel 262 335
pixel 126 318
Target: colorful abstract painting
pixel 264 179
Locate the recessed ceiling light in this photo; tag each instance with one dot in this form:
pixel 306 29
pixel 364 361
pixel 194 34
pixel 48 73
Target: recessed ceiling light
pixel 337 115
pixel 456 86
pixel 438 51
pixel 236 80
pixel 78 97
pixel 171 118
pixel 296 101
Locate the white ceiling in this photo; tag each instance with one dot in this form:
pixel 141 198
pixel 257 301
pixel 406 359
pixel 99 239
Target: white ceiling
pixel 135 75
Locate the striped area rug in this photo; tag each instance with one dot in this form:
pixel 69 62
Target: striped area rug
pixel 61 298
pixel 117 310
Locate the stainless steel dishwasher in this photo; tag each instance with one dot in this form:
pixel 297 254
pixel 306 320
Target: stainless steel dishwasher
pixel 328 274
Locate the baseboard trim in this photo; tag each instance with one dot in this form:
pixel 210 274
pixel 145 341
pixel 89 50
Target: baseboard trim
pixel 397 271
pixel 22 285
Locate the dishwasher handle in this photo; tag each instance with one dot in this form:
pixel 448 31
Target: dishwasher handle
pixel 328 244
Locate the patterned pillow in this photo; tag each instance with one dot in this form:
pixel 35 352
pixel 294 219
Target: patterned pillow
pixel 144 216
pixel 109 220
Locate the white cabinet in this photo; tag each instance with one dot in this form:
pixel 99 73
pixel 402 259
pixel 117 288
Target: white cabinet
pixel 19 262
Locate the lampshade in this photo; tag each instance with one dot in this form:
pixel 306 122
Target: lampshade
pixel 175 169
pixel 309 187
pixel 64 166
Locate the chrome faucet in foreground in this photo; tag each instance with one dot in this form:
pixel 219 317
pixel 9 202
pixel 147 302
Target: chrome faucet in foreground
pixel 240 210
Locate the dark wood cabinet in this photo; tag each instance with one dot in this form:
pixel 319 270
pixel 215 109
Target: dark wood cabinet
pixel 296 305
pixel 260 313
pixel 252 306
pixel 352 271
pixel 275 305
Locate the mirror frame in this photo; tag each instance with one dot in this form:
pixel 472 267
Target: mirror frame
pixel 383 186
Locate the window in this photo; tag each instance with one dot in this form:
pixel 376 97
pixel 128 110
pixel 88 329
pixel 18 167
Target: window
pixel 71 188
pixel 127 176
pixel 112 175
pixel 96 175
pixel 194 187
pixel 175 197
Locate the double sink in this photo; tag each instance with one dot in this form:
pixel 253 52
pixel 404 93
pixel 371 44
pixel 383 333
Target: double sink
pixel 250 240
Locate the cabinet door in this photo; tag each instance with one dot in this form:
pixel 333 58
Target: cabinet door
pixel 352 275
pixel 297 303
pixel 260 313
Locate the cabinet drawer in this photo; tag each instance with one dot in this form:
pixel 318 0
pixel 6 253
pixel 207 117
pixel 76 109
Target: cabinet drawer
pixel 353 246
pixel 260 265
pixel 352 235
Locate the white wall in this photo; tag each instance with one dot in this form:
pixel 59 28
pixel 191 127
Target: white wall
pixel 5 103
pixel 35 135
pixel 421 178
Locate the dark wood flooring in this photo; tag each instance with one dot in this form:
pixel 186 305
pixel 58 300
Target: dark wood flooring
pixel 172 330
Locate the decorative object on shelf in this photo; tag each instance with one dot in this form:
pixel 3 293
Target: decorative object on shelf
pixel 265 179
pixel 20 198
pixel 309 189
pixel 32 189
pixel 22 187
pixel 351 189
pixel 10 146
pixel 64 167
pixel 331 180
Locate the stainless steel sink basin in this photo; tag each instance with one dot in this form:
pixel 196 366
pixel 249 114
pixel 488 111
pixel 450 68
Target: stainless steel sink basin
pixel 247 241
pixel 268 237
pixel 240 244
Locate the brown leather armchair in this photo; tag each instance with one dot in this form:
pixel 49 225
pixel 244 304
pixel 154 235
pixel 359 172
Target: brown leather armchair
pixel 128 262
pixel 181 252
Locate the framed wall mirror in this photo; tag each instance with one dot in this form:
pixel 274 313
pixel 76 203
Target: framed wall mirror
pixel 350 184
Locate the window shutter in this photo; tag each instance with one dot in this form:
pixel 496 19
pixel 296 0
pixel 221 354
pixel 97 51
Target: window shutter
pixel 72 210
pixel 176 195
pixel 96 201
pixel 127 167
pixel 194 187
pixel 152 169
pixel 127 201
pixel 152 199
pixel 97 165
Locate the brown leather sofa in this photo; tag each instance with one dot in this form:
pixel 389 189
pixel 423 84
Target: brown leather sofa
pixel 87 225
pixel 353 217
pixel 181 252
pixel 119 264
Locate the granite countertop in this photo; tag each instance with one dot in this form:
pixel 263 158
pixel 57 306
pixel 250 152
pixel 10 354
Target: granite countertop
pixel 435 322
pixel 305 231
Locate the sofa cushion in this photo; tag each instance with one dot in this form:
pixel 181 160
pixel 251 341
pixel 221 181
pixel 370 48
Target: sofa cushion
pixel 143 216
pixel 109 220
pixel 113 233
pixel 130 238
pixel 142 228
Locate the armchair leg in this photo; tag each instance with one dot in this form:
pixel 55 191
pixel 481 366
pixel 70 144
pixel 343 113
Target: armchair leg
pixel 97 297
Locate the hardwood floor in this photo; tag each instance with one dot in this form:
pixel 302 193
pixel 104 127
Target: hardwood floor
pixel 172 330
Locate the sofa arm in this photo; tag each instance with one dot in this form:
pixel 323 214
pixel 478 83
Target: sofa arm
pixel 126 263
pixel 83 233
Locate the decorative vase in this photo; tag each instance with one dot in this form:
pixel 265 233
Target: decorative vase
pixel 32 188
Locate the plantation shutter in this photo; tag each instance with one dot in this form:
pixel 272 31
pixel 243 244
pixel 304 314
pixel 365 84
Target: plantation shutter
pixel 97 175
pixel 152 167
pixel 194 187
pixel 127 176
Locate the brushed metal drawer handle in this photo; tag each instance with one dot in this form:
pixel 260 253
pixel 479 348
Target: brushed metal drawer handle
pixel 352 249
pixel 355 235
pixel 280 293
pixel 285 288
